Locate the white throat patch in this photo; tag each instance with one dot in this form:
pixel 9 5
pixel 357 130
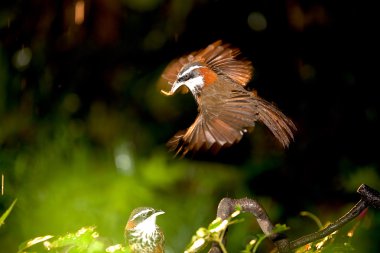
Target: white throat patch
pixel 148 226
pixel 194 84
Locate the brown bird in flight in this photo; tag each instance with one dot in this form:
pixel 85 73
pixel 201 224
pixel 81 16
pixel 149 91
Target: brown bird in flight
pixel 217 78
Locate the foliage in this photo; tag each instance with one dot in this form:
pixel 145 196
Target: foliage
pixel 86 239
pixel 216 230
pixel 64 181
pixel 213 233
pixel 253 245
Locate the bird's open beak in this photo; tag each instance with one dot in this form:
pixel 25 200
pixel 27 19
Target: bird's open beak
pixel 174 88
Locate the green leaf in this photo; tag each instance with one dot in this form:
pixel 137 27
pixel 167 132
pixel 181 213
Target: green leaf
pixel 279 228
pixel 196 245
pixel 214 233
pixel 34 241
pixel 215 223
pixel 85 240
pixel 7 212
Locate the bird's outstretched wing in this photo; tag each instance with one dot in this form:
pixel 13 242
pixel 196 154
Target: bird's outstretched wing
pixel 219 57
pixel 226 111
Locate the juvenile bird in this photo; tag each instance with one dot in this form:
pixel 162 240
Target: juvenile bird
pixel 217 78
pixel 142 233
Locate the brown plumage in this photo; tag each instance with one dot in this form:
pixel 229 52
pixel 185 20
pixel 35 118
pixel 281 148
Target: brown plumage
pixel 217 79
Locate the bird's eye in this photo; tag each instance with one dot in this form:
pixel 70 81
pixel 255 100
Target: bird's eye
pixel 185 77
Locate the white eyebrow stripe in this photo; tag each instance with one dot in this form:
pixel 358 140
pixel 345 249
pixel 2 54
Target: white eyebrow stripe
pixel 189 70
pixel 140 213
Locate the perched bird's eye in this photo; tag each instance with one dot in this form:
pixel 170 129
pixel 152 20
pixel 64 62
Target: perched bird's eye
pixel 149 213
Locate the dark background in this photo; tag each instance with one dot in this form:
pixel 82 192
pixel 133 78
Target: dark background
pixel 94 87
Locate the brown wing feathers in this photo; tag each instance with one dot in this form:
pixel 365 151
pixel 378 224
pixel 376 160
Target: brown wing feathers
pixel 229 127
pixel 226 109
pixel 280 125
pixel 204 135
pixel 217 56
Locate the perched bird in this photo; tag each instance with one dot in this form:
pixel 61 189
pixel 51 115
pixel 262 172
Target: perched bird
pixel 142 233
pixel 217 77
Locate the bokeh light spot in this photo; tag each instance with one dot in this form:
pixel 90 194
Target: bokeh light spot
pixel 79 12
pixel 22 58
pixel 257 21
pixel 123 159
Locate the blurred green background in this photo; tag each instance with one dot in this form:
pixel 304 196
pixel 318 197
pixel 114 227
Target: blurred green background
pixel 83 126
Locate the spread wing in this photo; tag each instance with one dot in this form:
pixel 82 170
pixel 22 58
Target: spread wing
pixel 219 57
pixel 225 112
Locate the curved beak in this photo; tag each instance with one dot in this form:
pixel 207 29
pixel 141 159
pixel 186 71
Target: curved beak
pixel 174 88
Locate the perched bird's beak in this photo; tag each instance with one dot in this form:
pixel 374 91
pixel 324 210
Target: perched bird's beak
pixel 174 88
pixel 153 217
pixel 158 212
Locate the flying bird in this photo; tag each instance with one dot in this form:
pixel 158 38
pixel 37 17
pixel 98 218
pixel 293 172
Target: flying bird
pixel 217 78
pixel 142 233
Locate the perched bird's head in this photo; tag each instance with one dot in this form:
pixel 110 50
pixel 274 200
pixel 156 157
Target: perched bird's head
pixel 142 232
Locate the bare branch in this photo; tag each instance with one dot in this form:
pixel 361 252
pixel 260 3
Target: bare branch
pixel 369 198
pixel 227 207
pixel 370 195
pixel 353 213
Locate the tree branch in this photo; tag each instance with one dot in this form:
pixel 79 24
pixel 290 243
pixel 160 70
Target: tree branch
pixel 227 207
pixel 355 211
pixel 369 198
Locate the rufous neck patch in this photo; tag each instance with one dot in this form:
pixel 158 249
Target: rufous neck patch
pixel 209 76
pixel 130 225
